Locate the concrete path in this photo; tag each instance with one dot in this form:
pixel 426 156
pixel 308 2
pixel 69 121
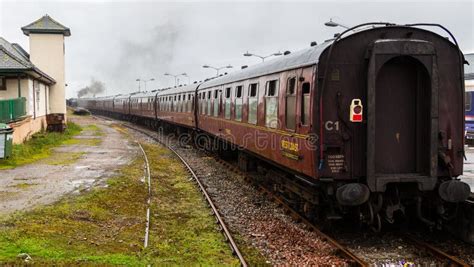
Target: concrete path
pixel 86 161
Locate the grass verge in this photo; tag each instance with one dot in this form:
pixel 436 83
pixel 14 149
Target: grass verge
pixel 183 231
pixel 38 147
pixel 106 225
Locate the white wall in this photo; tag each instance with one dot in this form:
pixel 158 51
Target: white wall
pixel 47 53
pixel 12 89
pixel 27 91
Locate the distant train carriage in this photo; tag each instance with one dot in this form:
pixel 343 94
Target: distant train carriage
pixel 143 104
pixel 176 105
pixel 469 83
pixel 373 119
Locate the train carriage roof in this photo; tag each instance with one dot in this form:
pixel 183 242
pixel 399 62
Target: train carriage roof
pixel 305 57
pixel 179 89
pixel 144 94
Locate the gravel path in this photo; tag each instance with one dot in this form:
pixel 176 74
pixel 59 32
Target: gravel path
pixel 76 166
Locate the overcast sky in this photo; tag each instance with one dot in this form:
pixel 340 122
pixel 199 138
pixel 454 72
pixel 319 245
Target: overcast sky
pixel 118 42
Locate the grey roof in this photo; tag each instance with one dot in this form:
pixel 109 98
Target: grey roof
pixel 121 96
pixel 469 76
pixel 305 57
pixel 14 58
pixel 178 89
pixel 20 50
pixel 144 94
pixel 46 25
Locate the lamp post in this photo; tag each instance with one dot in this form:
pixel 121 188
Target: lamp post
pixel 332 23
pixel 186 75
pixel 138 80
pixel 144 81
pixel 217 69
pixel 262 57
pixel 150 80
pixel 176 77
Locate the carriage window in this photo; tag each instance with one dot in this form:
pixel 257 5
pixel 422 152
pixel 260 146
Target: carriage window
pixel 238 103
pixel 305 103
pixel 208 112
pixel 253 103
pixel 201 100
pixel 290 107
pixel 271 104
pixel 468 100
pixel 227 103
pixel 216 103
pixel 238 91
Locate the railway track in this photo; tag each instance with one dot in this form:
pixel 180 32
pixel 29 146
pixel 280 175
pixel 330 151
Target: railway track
pixel 345 252
pixel 441 255
pixel 223 227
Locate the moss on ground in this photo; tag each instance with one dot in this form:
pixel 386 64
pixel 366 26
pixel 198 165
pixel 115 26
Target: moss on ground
pixel 93 128
pixel 183 230
pixel 103 226
pixel 38 147
pixel 106 225
pixel 63 158
pixel 23 185
pixel 84 141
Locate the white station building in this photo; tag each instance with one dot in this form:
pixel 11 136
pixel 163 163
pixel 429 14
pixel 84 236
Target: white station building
pixel 32 85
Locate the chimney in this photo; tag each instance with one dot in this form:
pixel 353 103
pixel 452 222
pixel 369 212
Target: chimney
pixel 47 53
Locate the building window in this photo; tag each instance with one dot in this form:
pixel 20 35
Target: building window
pixel 3 84
pixel 253 103
pixel 290 107
pixel 305 113
pixel 238 103
pixel 271 104
pixel 227 103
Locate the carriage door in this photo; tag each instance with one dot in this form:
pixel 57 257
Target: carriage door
pixel 402 114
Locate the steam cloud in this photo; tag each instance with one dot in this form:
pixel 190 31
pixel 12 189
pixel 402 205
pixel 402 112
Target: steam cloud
pixel 96 87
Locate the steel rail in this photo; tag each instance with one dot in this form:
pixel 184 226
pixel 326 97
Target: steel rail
pixel 453 261
pixel 297 216
pixel 147 174
pixel 228 236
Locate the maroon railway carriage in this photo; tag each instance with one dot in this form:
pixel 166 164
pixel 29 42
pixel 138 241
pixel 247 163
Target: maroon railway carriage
pixel 375 117
pixel 143 104
pixel 108 103
pixel 121 104
pixel 266 109
pixel 176 106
